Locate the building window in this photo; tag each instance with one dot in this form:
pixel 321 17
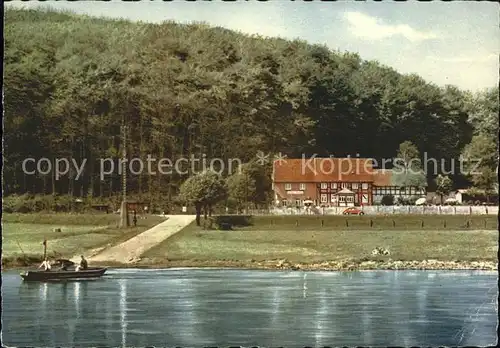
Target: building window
pixel 288 187
pixel 364 198
pixel 364 186
pixel 341 198
pixel 324 198
pixel 333 199
pixel 334 185
pixel 324 185
pixel 349 199
pixel 302 187
pixel 355 186
pixel 298 203
pixel 344 185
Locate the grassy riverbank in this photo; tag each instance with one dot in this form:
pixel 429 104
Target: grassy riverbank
pixel 23 235
pixel 308 243
pixel 270 242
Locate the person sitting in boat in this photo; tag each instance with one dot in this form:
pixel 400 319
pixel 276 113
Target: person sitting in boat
pixel 83 264
pixel 46 265
pixel 65 264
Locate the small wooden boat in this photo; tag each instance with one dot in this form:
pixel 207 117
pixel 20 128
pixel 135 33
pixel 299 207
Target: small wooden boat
pixel 63 275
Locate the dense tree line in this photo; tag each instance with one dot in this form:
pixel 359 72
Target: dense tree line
pixel 71 82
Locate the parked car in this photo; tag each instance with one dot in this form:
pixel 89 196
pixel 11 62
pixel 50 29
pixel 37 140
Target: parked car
pixel 353 211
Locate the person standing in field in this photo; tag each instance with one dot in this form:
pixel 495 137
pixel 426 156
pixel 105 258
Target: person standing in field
pixel 135 219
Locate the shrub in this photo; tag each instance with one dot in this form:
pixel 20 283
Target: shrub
pixel 406 201
pixel 222 221
pixel 18 204
pixel 63 203
pixel 387 200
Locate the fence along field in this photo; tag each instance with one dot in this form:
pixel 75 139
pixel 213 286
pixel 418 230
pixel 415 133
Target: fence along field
pixel 388 210
pixel 365 222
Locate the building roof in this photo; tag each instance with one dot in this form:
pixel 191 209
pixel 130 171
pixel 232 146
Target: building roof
pixel 382 177
pixel 323 170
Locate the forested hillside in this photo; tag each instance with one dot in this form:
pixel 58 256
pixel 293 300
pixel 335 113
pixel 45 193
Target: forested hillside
pixel 70 82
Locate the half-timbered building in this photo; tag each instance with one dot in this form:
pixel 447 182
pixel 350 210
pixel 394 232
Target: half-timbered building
pixel 334 182
pixel 340 182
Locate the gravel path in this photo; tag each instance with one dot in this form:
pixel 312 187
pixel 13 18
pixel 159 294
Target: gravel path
pixel 131 250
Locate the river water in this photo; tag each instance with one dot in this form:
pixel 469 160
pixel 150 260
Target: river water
pixel 194 307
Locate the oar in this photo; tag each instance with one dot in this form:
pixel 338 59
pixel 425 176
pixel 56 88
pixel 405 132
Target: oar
pixel 21 249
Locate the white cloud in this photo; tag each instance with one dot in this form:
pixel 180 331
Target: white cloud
pixel 368 27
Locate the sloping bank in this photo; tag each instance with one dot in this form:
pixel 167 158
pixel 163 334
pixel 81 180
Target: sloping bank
pixel 312 243
pixel 131 250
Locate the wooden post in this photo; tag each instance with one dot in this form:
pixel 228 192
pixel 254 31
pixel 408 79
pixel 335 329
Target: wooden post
pixel 322 223
pixel 422 223
pixel 124 218
pixel 347 223
pixel 44 248
pixel 296 223
pixel 485 222
pixel 393 223
pixel 444 224
pixel 371 223
pixel 467 224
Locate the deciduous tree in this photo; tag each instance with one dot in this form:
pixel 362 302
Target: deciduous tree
pixel 444 186
pixel 203 190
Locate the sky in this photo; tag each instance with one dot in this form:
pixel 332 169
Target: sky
pixel 454 43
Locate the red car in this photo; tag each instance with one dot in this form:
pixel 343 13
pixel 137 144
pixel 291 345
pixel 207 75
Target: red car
pixel 353 211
